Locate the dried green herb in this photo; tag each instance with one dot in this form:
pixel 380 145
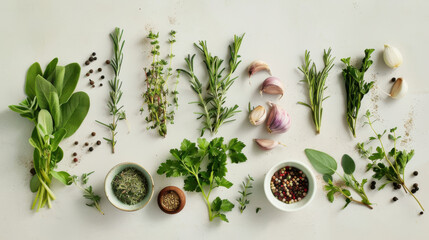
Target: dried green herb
pixel 212 103
pixel 130 186
pixel 88 192
pixel 157 95
pixel 356 87
pixel 245 186
pixel 395 158
pixel 115 94
pixel 316 85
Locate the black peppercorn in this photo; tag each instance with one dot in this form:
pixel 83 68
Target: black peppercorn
pixel 91 149
pixel 394 199
pixel 393 79
pixel 99 69
pixel 98 142
pixel 107 61
pixel 93 134
pixel 86 144
pixel 91 59
pixel 102 77
pixel 76 143
pixel 415 173
pixel 373 183
pixel 413 190
pixel 87 74
pixel 417 188
pixel 415 185
pixel 93 54
pixel 91 71
pixel 101 84
pixel 33 171
pixel 95 58
pixel 421 213
pixel 372 187
pixel 87 63
pixel 74 154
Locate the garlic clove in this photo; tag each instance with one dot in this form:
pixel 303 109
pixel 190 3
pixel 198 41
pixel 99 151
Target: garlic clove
pixel 399 89
pixel 272 85
pixel 392 57
pixel 258 115
pixel 267 144
pixel 257 66
pixel 278 120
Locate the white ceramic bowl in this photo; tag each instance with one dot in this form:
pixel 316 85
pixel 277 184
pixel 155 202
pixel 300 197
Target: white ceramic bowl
pixel 292 207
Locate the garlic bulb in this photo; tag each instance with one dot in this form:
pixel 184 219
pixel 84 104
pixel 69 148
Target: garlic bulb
pixel 272 85
pixel 267 144
pixel 392 56
pixel 257 66
pixel 399 89
pixel 258 115
pixel 278 119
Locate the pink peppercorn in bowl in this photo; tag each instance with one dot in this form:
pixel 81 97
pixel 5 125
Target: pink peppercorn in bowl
pixel 290 186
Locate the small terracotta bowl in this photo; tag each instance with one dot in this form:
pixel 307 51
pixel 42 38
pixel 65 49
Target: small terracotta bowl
pixel 173 190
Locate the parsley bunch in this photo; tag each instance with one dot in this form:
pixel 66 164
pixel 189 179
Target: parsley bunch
pixel 189 160
pixel 395 158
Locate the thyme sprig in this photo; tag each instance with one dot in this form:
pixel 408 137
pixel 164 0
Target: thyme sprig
pixel 243 199
pixel 157 95
pixel 214 113
pixel 115 84
pixel 395 158
pixel 88 192
pixel 316 85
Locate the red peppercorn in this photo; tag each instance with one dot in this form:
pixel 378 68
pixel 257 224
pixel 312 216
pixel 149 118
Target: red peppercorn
pixel 75 160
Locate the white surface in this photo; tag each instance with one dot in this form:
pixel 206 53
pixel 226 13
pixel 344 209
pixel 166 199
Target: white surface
pixel 277 32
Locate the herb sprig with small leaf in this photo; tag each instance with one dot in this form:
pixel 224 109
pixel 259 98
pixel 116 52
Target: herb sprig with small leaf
pixel 396 159
pixel 213 110
pixel 326 165
pixel 356 87
pixel 243 200
pixel 115 84
pixel 188 162
pixel 157 96
pixel 57 112
pixel 316 85
pixel 88 192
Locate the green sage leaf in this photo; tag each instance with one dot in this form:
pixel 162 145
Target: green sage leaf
pixel 62 176
pixel 50 69
pixel 74 112
pixel 58 137
pixel 30 80
pixel 43 91
pixel 322 162
pixel 348 164
pixel 58 80
pixel 71 78
pixel 44 121
pixel 34 183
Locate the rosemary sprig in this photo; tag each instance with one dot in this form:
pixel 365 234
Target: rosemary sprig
pixel 243 200
pixel 157 95
pixel 88 192
pixel 214 113
pixel 316 85
pixel 115 109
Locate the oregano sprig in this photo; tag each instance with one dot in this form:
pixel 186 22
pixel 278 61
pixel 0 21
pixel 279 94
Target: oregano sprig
pixel 157 95
pixel 115 109
pixel 243 200
pixel 88 192
pixel 212 103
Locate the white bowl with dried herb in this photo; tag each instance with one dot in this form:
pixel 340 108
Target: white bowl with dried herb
pixel 128 186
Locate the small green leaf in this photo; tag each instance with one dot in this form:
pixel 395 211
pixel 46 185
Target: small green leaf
pixel 58 137
pixel 50 69
pixel 43 91
pixel 226 205
pixel 216 204
pixel 222 182
pixel 44 119
pixel 322 162
pixel 191 184
pixel 62 176
pixel 58 80
pixel 223 217
pixel 348 164
pixel 34 183
pixel 330 195
pixel 30 81
pixel 327 178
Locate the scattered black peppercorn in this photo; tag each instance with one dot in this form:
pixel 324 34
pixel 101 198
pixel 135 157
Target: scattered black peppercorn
pixel 102 77
pixel 95 58
pixel 87 63
pixel 91 149
pixel 101 84
pixel 372 187
pixel 74 154
pixel 393 79
pixel 107 61
pixel 91 71
pixel 76 143
pixel 93 86
pixel 86 144
pixel 415 173
pixel 93 54
pixel 417 188
pixel 413 190
pixel 87 74
pixel 415 185
pixel 91 59
pixel 394 199
pixel 98 142
pixel 421 213
pixel 33 171
pixel 373 183
pixel 91 82
pixel 74 159
pixel 99 69
pixel 93 134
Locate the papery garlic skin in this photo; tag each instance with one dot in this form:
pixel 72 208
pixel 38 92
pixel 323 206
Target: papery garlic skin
pixel 257 66
pixel 399 89
pixel 278 120
pixel 392 57
pixel 266 144
pixel 272 85
pixel 258 115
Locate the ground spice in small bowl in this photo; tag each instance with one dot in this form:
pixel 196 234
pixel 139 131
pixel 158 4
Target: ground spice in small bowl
pixel 170 201
pixel 289 185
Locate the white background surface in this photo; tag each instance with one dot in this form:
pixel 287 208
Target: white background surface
pixel 277 32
